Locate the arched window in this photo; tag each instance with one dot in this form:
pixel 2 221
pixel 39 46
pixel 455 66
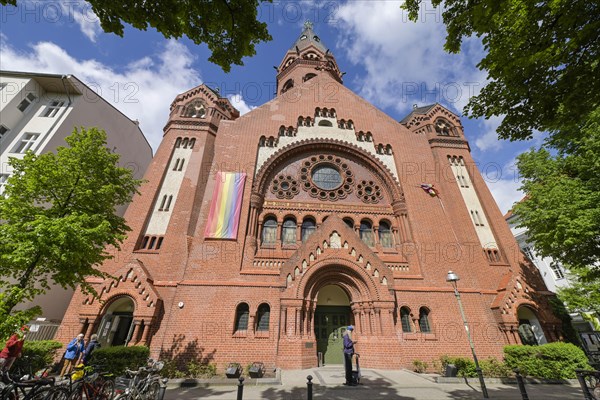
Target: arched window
pixel 308 228
pixel 195 109
pixel 405 319
pixel 269 232
pixel 288 233
pixel 424 320
pixel 324 122
pixel 287 85
pixel 442 127
pixel 178 142
pixel 385 234
pixel 241 317
pixel 349 222
pixel 366 232
pixel 262 318
pixel 308 76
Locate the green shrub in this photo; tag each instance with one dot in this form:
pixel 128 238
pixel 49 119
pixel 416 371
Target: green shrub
pixel 116 359
pixel 199 370
pixel 492 368
pixel 464 366
pixel 549 361
pixel 170 370
pixel 419 366
pixel 37 355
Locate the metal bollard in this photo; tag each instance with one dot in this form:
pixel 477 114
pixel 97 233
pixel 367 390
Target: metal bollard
pixel 160 395
pixel 521 384
pixel 240 393
pixel 309 387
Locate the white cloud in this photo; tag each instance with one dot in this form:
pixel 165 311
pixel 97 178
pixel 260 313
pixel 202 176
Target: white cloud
pixel 506 193
pixel 404 61
pixel 239 103
pixel 82 14
pixel 488 138
pixel 143 90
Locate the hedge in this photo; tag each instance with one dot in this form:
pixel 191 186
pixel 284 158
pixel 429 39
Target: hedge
pixel 37 355
pixel 549 361
pixel 116 359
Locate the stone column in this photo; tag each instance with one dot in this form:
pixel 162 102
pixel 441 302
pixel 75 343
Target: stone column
pixel 145 334
pixel 136 330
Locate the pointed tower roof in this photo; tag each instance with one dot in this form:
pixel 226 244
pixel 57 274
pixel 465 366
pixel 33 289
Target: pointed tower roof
pixel 307 58
pixel 308 37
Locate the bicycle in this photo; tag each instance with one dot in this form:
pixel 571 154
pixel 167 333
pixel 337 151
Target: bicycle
pixel 135 387
pixel 31 389
pixel 93 385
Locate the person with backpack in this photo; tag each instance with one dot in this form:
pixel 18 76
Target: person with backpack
pixel 92 345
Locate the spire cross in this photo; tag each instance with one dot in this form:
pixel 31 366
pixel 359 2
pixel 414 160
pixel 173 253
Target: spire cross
pixel 308 25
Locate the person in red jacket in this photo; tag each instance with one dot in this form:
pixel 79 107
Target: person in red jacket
pixel 13 349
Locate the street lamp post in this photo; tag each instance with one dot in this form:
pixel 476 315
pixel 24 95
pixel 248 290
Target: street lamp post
pixel 453 279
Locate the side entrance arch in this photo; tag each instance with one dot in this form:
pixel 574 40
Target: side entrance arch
pixel 116 325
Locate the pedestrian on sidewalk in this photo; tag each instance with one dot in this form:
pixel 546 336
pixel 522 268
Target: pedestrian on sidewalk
pixel 348 353
pixel 13 349
pixel 92 345
pixel 74 349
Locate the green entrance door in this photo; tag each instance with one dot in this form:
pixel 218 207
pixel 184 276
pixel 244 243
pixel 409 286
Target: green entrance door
pixel 330 325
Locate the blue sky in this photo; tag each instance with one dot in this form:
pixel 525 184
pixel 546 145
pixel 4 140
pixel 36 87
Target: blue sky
pixel 392 62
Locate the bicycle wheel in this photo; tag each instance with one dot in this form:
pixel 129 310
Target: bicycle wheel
pixel 107 390
pixel 151 392
pixel 58 393
pixel 8 393
pixel 40 394
pixel 76 391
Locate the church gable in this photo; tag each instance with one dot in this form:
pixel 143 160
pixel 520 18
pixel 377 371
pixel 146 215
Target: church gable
pixel 335 243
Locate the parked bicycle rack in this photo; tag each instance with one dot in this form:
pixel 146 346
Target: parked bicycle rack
pixel 590 383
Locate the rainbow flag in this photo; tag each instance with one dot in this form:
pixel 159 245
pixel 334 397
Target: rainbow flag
pixel 224 215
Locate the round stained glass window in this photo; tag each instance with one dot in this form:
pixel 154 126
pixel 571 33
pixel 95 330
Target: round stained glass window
pixel 326 177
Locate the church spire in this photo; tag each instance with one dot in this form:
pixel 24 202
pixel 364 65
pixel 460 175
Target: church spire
pixel 306 58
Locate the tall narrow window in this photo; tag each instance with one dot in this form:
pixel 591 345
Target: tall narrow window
pixel 269 232
pixel 26 102
pixel 288 234
pixel 385 234
pixel 557 270
pixel 168 205
pixel 176 166
pixel 366 232
pixel 405 320
pixel 3 130
pixel 349 222
pixel 52 108
pixel 3 179
pixel 424 320
pixel 308 228
pixel 27 141
pixel 262 318
pixel 241 317
pixel 162 203
pixel 181 164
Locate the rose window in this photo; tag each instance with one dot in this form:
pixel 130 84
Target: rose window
pixel 326 177
pixel 369 192
pixel 284 187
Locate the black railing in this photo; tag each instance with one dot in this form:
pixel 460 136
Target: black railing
pixel 590 383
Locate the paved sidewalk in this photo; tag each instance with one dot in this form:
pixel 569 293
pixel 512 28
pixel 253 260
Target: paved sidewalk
pixel 375 384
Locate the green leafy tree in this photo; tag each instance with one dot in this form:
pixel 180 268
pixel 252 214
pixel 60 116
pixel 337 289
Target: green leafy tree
pixel 562 207
pixel 542 60
pixel 583 295
pixel 58 217
pixel 229 28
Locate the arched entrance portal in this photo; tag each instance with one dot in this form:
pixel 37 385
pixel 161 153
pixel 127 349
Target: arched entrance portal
pixel 116 325
pixel 530 329
pixel 332 316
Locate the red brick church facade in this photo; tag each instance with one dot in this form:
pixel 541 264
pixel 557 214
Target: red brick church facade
pixel 335 228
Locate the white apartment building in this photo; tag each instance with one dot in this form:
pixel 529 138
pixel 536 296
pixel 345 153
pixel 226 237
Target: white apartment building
pixel 37 112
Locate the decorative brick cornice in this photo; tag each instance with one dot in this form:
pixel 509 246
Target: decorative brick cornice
pixel 454 143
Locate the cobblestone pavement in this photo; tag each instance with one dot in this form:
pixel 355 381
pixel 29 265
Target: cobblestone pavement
pixel 375 384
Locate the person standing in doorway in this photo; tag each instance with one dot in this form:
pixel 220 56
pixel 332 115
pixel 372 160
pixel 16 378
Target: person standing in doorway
pixel 348 353
pixel 92 345
pixel 74 350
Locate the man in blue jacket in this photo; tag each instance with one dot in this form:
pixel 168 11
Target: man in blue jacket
pixel 348 353
pixel 74 350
